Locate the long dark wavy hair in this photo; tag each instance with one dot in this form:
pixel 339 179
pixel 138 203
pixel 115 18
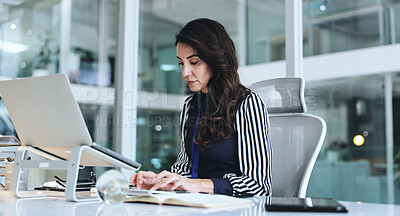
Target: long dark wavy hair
pixel 214 46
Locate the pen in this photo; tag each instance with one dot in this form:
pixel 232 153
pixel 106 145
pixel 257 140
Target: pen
pixel 244 195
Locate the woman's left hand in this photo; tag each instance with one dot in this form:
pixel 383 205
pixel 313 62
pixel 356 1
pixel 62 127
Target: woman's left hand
pixel 174 181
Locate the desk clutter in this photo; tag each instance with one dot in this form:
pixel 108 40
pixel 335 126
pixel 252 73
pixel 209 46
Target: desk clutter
pixel 8 147
pixel 59 184
pixel 6 162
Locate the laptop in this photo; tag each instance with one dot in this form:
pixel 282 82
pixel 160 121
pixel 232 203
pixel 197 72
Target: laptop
pixel 46 116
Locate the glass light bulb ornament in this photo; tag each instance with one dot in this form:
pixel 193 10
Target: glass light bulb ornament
pixel 112 187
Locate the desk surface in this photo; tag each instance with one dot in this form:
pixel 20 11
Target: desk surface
pixel 9 206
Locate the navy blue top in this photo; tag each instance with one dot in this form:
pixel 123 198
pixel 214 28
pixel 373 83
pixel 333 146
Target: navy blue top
pixel 217 160
pixel 254 154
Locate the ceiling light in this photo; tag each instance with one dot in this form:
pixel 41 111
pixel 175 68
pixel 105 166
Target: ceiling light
pixel 12 47
pixel 168 67
pixel 13 26
pixel 358 140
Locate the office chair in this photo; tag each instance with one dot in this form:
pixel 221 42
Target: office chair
pixel 296 137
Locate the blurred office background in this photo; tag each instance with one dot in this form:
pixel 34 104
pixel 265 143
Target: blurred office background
pixel 352 76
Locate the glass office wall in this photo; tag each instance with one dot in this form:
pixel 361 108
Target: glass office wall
pixel 92 65
pixel 265 31
pixel 29 43
pixel 348 169
pixel 94 32
pixel 93 50
pixel 395 23
pixel 29 38
pixel 353 108
pixel 396 141
pixel 159 138
pixel 334 26
pixel 328 26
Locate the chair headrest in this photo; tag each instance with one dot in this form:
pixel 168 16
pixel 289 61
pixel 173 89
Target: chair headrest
pixel 282 95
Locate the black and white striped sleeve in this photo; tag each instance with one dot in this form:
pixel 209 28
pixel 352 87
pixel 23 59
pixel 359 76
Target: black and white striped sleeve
pixel 182 164
pixel 254 148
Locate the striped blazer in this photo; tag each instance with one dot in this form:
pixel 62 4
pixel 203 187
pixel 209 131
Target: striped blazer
pixel 254 148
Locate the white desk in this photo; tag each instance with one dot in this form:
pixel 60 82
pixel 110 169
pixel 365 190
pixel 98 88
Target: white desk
pixel 9 206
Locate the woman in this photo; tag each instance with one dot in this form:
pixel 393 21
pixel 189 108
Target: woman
pixel 225 145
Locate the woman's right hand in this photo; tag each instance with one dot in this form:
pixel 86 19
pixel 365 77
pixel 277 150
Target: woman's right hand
pixel 143 179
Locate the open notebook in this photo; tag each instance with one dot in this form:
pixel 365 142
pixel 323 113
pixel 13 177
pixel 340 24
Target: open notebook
pixel 198 200
pixel 46 116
